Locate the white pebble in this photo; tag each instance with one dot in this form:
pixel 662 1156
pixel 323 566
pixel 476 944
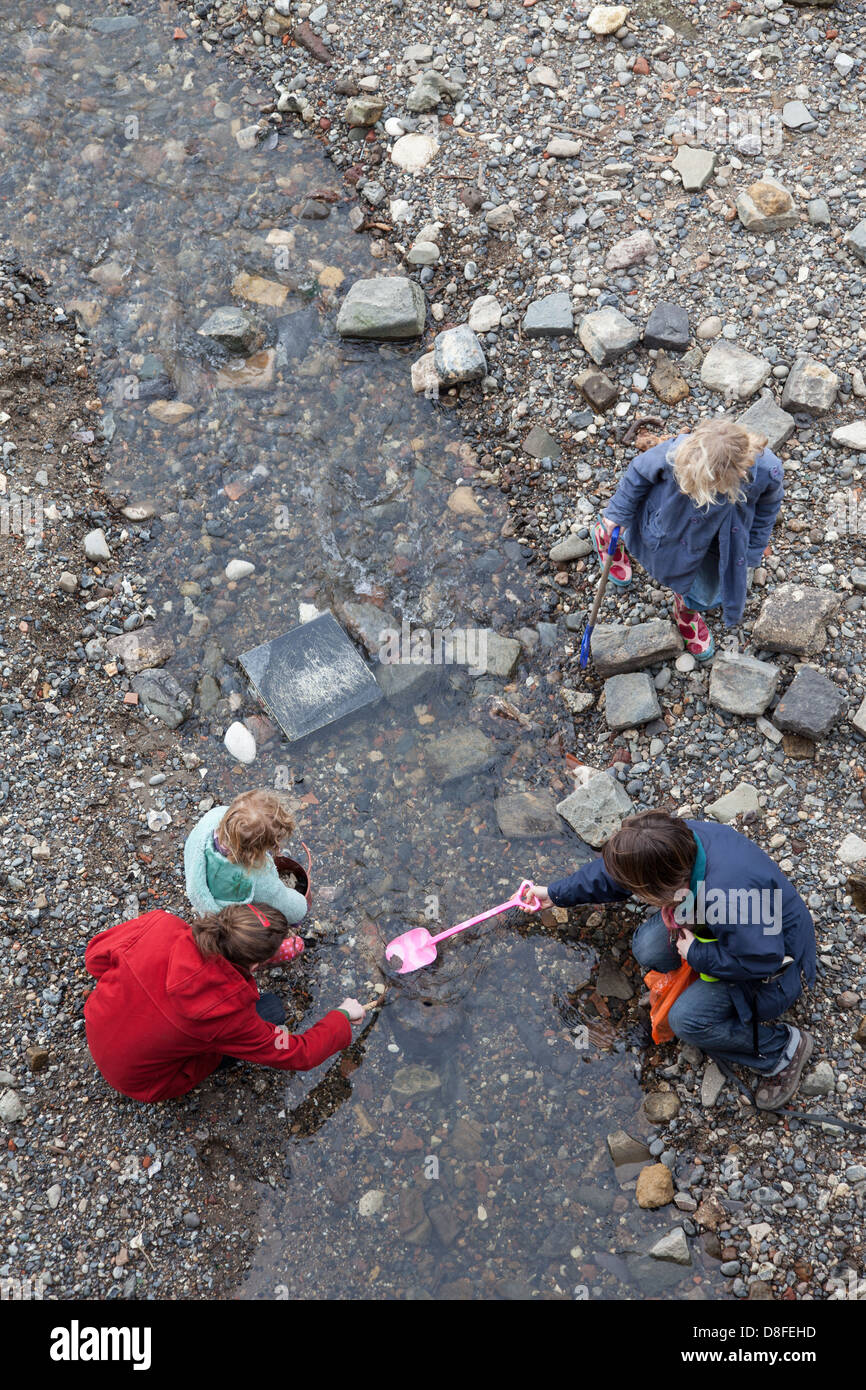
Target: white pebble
pixel 239 569
pixel 240 742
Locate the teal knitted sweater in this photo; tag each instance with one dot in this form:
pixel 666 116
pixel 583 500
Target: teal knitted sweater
pixel 262 885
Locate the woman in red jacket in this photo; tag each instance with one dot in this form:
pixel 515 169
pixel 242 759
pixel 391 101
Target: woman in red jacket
pixel 173 999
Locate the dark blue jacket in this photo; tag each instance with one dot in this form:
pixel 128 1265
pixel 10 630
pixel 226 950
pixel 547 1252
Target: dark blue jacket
pixel 752 942
pixel 670 536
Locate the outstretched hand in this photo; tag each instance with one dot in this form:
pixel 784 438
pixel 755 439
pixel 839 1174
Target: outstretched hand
pixel 540 893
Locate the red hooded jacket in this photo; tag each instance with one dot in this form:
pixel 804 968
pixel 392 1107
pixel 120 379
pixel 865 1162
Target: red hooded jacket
pixel 162 1016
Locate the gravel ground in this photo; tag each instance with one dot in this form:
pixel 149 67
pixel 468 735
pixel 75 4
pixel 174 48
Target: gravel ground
pixel 101 1197
pixel 791 1199
pixel 555 145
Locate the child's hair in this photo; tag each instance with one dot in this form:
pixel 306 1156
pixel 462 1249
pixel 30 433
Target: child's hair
pixel 244 933
pixel 712 462
pixel 254 826
pixel 652 855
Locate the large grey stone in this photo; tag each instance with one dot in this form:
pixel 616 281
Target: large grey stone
pixel 618 649
pixel 430 88
pixel 855 240
pixel 460 753
pixel 667 328
pixel 735 373
pixel 797 116
pixel 597 388
pixel 146 647
pixel 766 206
pixel 810 706
pixel 741 684
pixel 695 167
pixel 497 655
pixel 597 810
pixel 527 815
pixel 572 548
pixel 673 1247
pixel 743 798
pixel 550 317
pixel 810 386
pixel 387 307
pixel 458 356
pixel 235 329
pixel 765 418
pixel 624 1149
pixel 852 436
pixel 792 620
pixel 541 444
pixel 633 249
pixel 162 697
pixel 629 701
pixel 606 334
pixel 820 1081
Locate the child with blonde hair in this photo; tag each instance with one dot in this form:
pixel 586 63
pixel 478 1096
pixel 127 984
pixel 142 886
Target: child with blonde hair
pixel 697 513
pixel 229 858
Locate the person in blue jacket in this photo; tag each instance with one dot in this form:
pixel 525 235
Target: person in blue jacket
pixel 697 512
pixel 727 908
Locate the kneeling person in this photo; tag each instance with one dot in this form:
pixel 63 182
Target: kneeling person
pixel 752 945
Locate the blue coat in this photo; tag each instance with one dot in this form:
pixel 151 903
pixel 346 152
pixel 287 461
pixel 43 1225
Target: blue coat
pixel 670 536
pixel 746 949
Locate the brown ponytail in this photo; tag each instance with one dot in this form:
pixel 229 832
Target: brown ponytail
pixel 239 935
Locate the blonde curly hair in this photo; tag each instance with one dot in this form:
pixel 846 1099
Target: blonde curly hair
pixel 711 463
pixel 254 826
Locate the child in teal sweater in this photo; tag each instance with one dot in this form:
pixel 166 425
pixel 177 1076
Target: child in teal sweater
pixel 228 858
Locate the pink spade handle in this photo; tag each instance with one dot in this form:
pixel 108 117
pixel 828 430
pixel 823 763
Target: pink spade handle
pixel 518 900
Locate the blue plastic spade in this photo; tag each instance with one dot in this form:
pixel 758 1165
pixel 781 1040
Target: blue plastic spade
pixel 602 585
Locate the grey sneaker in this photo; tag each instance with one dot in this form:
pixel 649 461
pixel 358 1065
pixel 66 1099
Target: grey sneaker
pixel 776 1091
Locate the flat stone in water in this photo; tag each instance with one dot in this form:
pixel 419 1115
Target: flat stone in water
pixel 235 329
pixel 390 307
pixel 527 815
pixel 296 333
pixel 460 753
pixel 415 1080
pixel 310 677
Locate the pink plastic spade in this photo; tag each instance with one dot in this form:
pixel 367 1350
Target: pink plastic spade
pixel 417 947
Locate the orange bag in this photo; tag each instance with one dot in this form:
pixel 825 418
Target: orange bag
pixel 665 988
